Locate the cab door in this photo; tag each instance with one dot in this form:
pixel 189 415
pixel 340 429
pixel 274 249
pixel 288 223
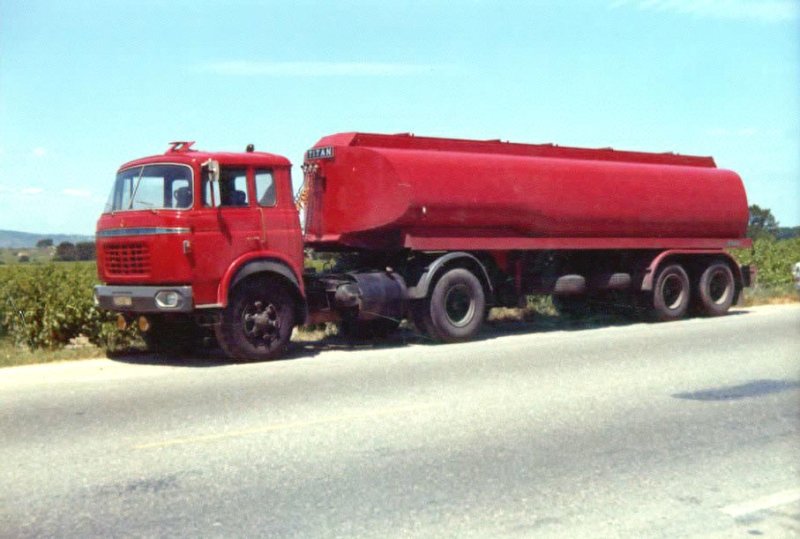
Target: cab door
pixel 227 225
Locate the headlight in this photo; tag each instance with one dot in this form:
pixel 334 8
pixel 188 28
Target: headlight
pixel 168 299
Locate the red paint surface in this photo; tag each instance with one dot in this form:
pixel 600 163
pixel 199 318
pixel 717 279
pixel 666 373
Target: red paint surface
pixel 221 239
pixel 395 191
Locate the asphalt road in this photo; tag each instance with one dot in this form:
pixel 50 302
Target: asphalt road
pixel 685 429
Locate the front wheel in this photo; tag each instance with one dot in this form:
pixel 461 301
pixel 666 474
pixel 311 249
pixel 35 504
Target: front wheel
pixel 258 321
pixel 456 307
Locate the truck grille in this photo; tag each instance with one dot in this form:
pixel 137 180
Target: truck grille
pixel 127 259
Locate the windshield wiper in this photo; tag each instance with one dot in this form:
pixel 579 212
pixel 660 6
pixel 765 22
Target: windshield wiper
pixel 136 188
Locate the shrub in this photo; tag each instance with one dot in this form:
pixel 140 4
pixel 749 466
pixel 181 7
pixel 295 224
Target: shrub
pixel 46 306
pixel 773 259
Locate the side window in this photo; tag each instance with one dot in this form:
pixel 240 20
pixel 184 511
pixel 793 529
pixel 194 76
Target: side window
pixel 230 191
pixel 265 187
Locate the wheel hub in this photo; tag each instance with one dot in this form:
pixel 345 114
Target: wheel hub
pixel 718 287
pixel 672 292
pixel 459 306
pixel 262 322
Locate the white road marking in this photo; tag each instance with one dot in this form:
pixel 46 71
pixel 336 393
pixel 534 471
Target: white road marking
pixel 785 497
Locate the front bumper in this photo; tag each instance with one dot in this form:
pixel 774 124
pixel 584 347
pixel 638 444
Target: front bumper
pixel 144 299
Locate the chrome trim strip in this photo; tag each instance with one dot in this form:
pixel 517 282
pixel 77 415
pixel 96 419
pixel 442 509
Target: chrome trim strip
pixel 143 231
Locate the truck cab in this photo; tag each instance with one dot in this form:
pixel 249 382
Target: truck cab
pixel 180 228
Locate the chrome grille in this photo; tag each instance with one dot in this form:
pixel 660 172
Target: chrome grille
pixel 127 259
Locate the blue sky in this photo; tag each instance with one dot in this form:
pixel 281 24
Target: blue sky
pixel 88 85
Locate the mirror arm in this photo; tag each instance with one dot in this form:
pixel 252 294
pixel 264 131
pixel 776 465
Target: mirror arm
pixel 213 177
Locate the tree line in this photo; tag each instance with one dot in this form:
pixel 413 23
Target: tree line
pixel 67 251
pixel 763 225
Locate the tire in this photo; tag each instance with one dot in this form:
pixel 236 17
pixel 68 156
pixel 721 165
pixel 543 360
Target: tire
pixel 456 308
pixel 715 290
pixel 258 321
pixel 671 293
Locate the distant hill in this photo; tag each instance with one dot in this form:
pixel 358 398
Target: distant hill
pixel 11 239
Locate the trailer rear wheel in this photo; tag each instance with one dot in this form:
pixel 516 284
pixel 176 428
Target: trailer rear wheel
pixel 716 289
pixel 456 308
pixel 258 321
pixel 671 293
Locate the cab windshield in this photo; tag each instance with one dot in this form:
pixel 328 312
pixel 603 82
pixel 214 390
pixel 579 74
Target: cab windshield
pixel 152 187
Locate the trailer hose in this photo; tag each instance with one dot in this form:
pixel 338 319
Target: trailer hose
pixel 302 197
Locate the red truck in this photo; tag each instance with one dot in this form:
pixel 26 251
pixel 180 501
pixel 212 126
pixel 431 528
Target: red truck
pixel 437 230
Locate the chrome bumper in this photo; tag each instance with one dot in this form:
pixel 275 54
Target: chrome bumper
pixel 144 299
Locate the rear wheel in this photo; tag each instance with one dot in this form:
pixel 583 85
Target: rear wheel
pixel 258 321
pixel 671 293
pixel 456 307
pixel 716 289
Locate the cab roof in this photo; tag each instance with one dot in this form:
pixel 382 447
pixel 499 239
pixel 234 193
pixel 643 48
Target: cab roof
pixel 183 152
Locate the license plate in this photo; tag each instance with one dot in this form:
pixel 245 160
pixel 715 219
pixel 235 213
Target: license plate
pixel 123 301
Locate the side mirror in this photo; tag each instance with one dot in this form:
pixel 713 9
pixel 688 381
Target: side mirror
pixel 213 170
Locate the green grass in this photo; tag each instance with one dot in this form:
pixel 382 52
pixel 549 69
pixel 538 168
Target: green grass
pixel 12 355
pixel 317 266
pixel 769 295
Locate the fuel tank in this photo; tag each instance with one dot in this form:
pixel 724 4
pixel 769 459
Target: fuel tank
pixel 374 191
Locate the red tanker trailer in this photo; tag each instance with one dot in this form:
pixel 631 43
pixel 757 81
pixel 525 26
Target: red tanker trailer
pixel 438 230
pixel 379 191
